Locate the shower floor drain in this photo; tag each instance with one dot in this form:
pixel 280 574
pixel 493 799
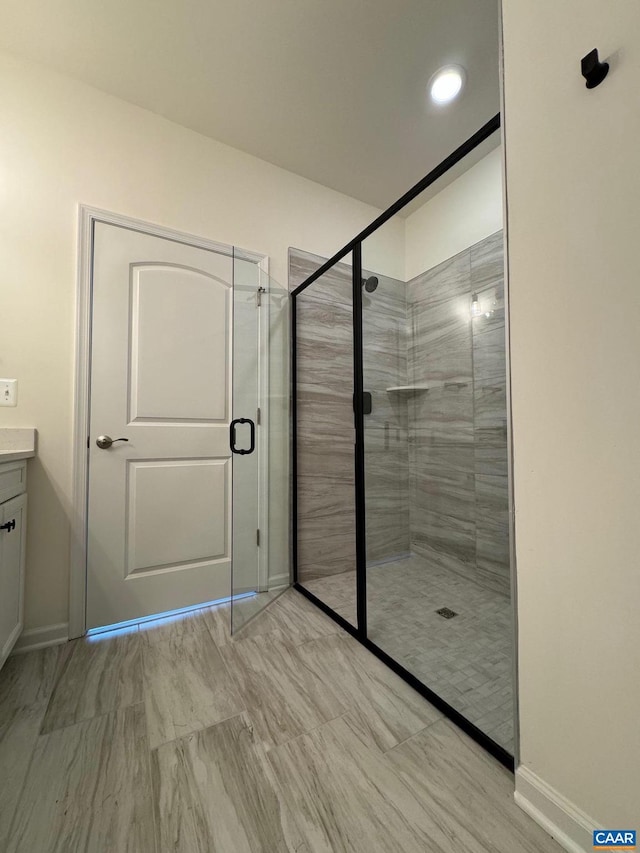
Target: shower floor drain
pixel 446 613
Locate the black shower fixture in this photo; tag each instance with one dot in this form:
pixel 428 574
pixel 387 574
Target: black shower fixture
pixel 370 283
pixel 593 70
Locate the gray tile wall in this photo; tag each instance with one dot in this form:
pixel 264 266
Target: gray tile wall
pixel 326 483
pixel 384 344
pixel 457 428
pixel 436 456
pixel 326 511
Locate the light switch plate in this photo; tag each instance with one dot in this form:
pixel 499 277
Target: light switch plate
pixel 8 392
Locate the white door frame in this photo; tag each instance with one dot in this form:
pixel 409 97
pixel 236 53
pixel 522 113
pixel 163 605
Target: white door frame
pixel 87 216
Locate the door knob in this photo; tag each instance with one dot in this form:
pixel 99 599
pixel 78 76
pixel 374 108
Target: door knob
pixel 104 442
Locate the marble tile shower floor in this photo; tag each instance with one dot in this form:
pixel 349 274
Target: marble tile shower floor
pixel 467 660
pixel 289 736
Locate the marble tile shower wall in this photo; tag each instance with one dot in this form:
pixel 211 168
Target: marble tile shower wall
pixel 326 525
pixel 457 418
pixel 324 349
pixel 436 456
pixel 384 350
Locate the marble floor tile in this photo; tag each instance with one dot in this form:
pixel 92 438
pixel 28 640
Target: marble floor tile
pixel 347 797
pixel 214 791
pixel 348 611
pixel 385 709
pixel 218 619
pixel 26 682
pixel 471 791
pixel 28 678
pixel 19 728
pixel 282 696
pixel 338 592
pixel 171 627
pixel 186 687
pixel 94 675
pixel 88 789
pixel 334 590
pixel 246 610
pixel 466 660
pixel 355 760
pixel 299 620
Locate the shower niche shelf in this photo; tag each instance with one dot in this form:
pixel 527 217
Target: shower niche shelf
pixel 406 389
pixel 414 389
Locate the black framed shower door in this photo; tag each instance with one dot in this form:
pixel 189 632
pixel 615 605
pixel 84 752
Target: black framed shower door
pixel 330 300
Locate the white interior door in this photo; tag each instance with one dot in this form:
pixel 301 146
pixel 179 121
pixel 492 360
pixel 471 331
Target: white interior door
pixel 159 508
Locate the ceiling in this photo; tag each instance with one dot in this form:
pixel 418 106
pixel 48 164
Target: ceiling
pixel 334 90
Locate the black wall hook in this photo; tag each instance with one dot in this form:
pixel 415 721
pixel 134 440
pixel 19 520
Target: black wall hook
pixel 593 70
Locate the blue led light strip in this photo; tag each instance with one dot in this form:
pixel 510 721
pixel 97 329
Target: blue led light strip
pixel 167 616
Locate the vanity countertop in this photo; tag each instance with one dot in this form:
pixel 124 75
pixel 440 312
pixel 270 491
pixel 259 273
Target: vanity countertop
pixel 17 443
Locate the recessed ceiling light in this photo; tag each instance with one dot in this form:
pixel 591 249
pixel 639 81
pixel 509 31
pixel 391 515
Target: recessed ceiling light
pixel 446 84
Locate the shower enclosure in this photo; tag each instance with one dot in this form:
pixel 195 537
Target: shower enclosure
pixel 400 463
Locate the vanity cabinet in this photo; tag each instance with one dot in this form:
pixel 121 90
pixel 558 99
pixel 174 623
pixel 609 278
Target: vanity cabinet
pixel 13 529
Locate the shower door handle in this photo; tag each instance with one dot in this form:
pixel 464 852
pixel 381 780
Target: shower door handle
pixel 232 436
pixel 367 403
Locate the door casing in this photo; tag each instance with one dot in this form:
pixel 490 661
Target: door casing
pixel 87 216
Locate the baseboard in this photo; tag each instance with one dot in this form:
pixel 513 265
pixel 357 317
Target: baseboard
pixel 40 638
pixel 6 650
pixel 570 826
pixel 276 581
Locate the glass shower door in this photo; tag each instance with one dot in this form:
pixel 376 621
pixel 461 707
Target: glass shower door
pixel 259 440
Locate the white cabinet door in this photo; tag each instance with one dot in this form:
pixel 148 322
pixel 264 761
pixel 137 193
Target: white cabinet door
pixel 12 550
pixel 159 531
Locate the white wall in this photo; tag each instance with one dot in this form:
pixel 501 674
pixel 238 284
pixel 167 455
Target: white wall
pixel 573 185
pixel 463 213
pixel 63 143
